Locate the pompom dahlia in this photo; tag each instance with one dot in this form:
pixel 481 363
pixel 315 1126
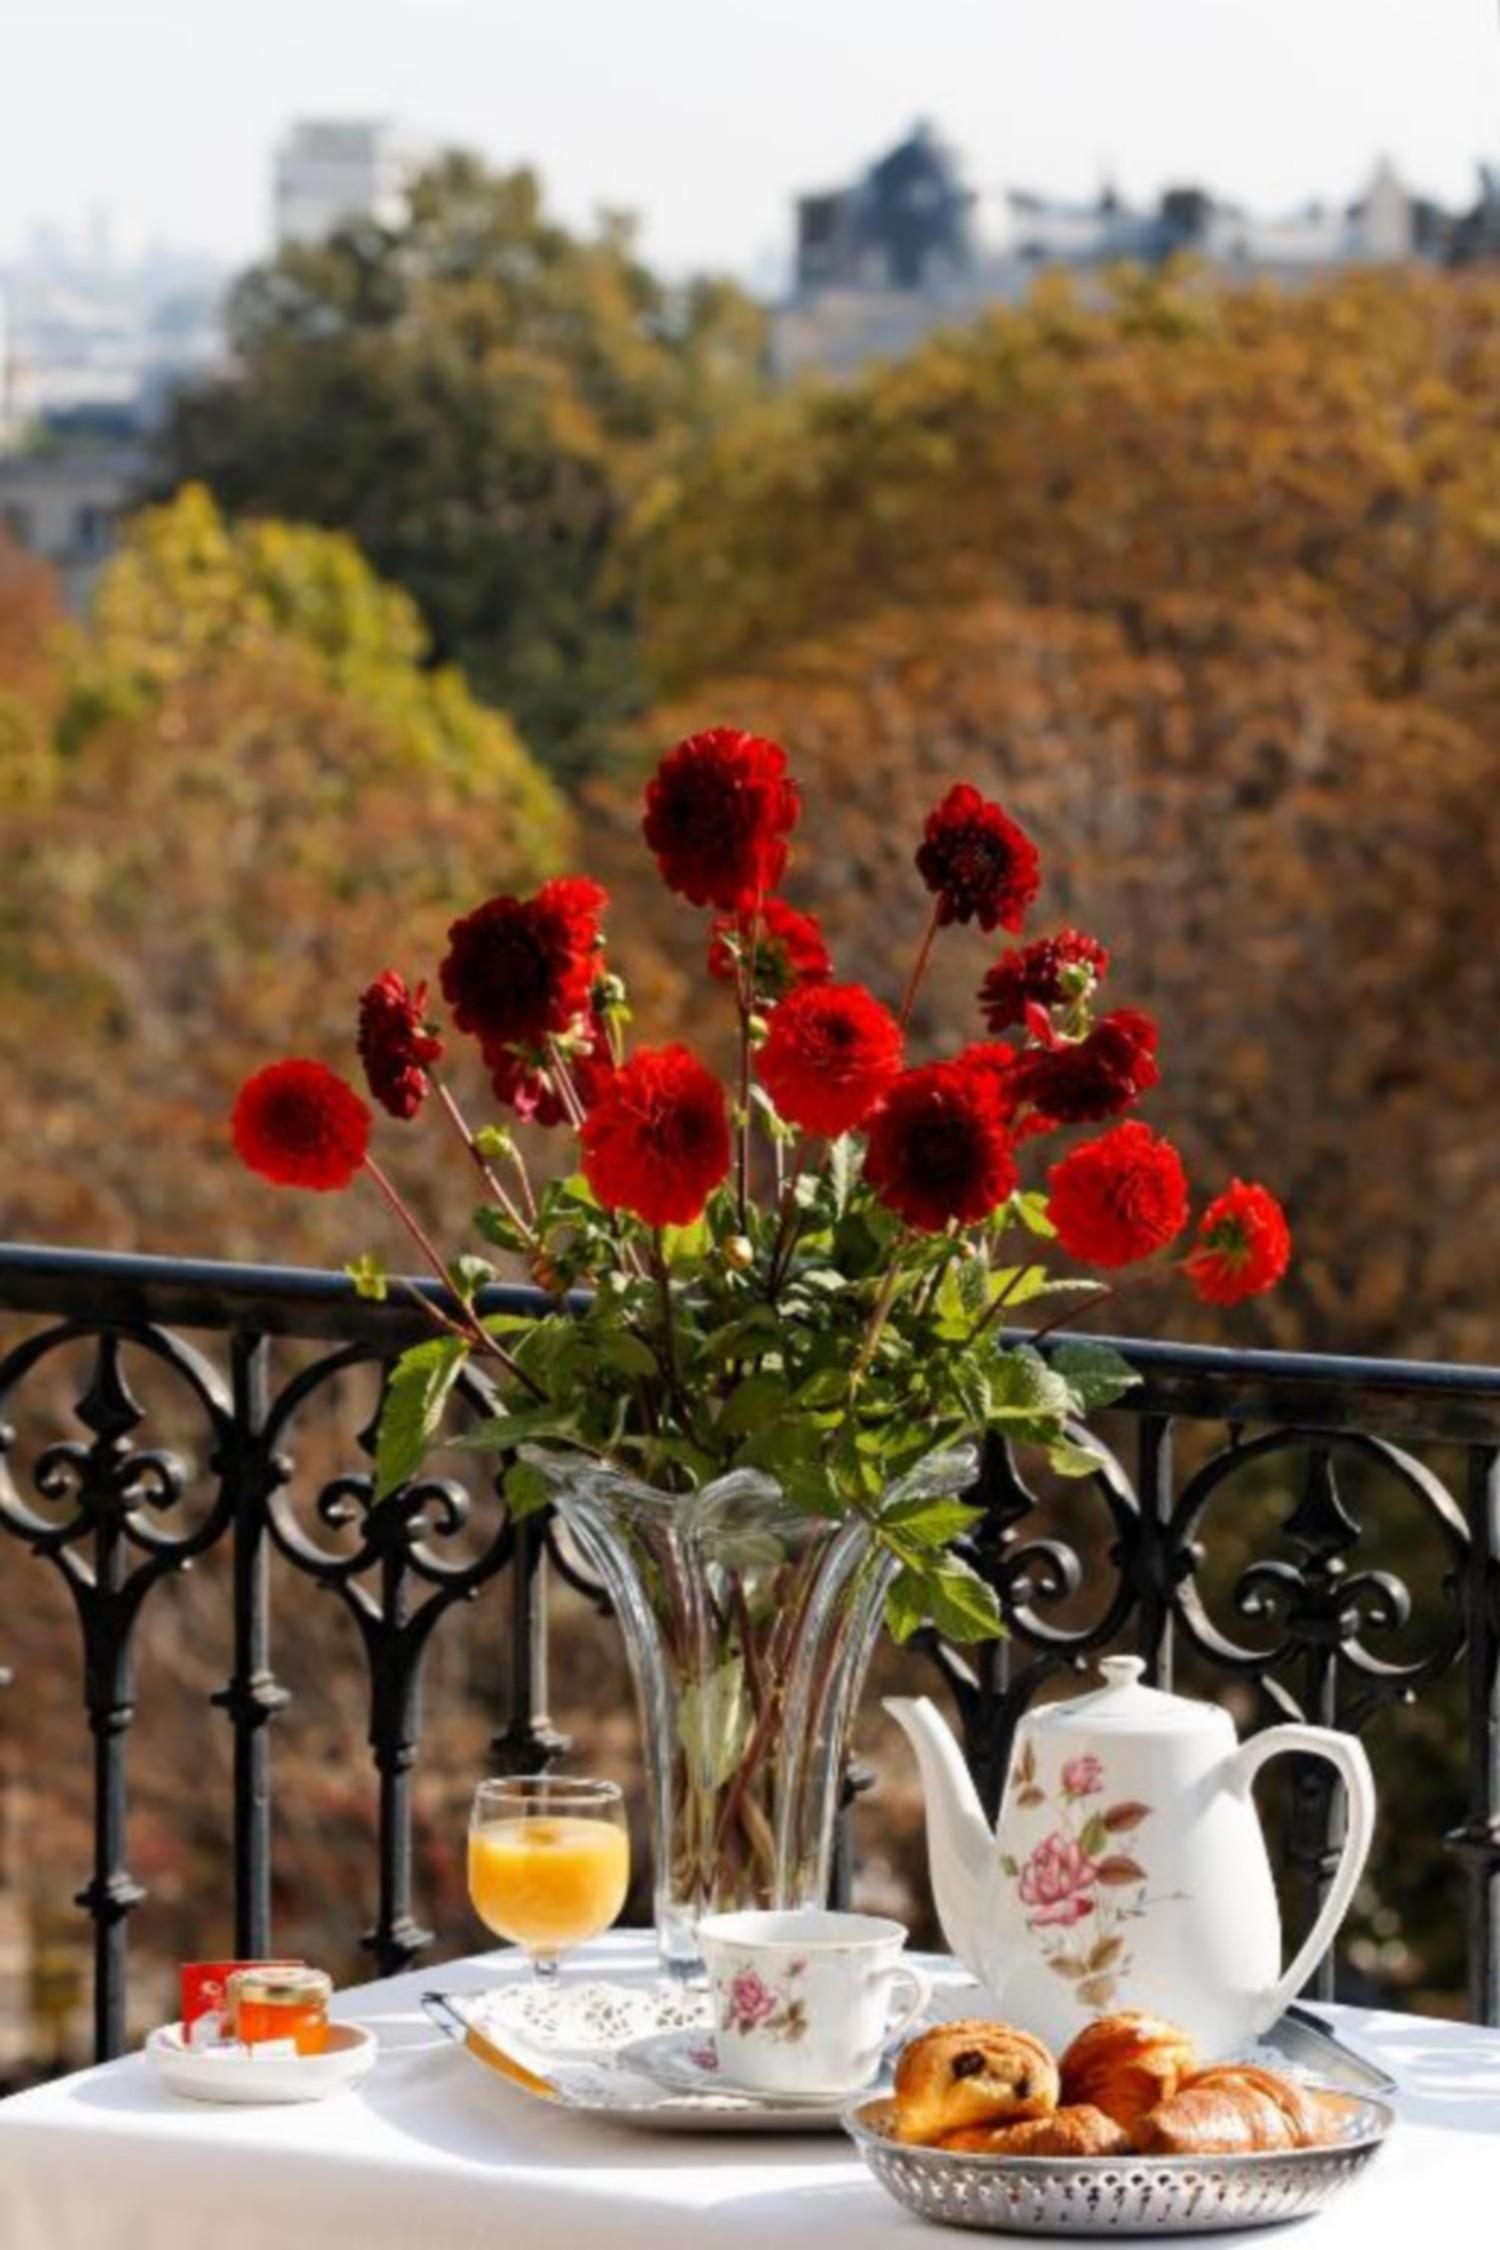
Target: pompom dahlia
pixel 789 948
pixel 531 1089
pixel 979 864
pixel 301 1125
pixel 1118 1198
pixel 657 1140
pixel 1041 975
pixel 937 1147
pixel 830 1053
pixel 395 1044
pixel 518 969
pixel 1080 1081
pixel 719 810
pixel 1243 1245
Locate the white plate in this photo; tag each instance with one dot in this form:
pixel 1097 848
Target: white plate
pixel 243 2074
pixel 688 2063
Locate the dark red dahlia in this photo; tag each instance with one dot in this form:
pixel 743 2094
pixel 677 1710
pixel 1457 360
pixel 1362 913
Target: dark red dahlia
pixel 1243 1245
pixel 937 1147
pixel 1081 1080
pixel 719 810
pixel 996 1062
pixel 518 969
pixel 395 1044
pixel 1118 1198
pixel 531 1089
pixel 978 862
pixel 657 1140
pixel 831 1051
pixel 1042 975
pixel 789 948
pixel 301 1125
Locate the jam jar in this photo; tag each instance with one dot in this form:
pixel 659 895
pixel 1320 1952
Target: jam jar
pixel 281 2002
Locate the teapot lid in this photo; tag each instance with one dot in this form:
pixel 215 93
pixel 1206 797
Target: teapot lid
pixel 1125 1706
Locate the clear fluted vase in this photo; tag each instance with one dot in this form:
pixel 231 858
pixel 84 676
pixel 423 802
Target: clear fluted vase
pixel 749 1626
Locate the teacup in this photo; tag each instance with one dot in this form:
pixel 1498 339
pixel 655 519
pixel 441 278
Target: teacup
pixel 802 1999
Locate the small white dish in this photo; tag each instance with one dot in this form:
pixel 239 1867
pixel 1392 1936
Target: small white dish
pixel 249 2074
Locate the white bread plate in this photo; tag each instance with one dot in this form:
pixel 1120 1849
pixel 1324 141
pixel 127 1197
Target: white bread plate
pixel 250 2074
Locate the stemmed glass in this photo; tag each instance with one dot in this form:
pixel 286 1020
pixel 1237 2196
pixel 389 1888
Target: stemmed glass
pixel 549 1862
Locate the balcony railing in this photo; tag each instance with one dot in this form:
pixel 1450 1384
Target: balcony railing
pixel 1321 1626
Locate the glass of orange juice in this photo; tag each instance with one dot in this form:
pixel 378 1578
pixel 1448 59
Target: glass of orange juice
pixel 549 1862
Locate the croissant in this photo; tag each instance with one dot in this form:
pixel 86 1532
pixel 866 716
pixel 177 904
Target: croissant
pixel 1126 2065
pixel 1238 2107
pixel 971 2073
pixel 1080 2131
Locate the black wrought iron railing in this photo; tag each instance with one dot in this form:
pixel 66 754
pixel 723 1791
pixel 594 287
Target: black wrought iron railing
pixel 1255 1526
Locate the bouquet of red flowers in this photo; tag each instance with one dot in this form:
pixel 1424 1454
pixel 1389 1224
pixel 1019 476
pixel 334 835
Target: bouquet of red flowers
pixel 809 1272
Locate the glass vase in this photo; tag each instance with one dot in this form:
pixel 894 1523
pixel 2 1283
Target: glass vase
pixel 749 1626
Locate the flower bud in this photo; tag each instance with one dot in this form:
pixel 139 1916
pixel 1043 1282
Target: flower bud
pixel 739 1252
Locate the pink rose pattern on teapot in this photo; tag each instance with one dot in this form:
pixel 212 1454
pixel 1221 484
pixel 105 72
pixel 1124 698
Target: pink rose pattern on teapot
pixel 1084 1883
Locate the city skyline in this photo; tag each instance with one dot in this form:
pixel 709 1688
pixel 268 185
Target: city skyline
pixel 1246 97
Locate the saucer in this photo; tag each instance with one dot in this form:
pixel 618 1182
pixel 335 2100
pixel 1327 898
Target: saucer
pixel 688 2062
pixel 242 2074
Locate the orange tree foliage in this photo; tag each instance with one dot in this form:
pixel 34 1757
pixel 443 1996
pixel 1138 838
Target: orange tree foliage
pixel 1207 588
pixel 254 793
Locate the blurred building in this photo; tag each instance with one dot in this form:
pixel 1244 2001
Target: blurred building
pixel 63 502
pixel 910 247
pixel 331 172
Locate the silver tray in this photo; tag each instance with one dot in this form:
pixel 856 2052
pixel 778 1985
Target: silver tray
pixel 1116 2194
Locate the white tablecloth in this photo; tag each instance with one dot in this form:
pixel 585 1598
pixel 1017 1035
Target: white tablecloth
pixel 436 2152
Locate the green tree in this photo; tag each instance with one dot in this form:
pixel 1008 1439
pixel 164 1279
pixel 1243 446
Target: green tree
pixel 482 398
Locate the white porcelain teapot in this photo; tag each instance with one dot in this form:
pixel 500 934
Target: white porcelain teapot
pixel 1128 1869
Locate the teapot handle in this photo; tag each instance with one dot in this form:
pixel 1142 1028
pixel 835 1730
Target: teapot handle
pixel 1348 1754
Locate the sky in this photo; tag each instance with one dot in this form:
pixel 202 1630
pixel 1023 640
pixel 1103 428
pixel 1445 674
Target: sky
pixel 706 117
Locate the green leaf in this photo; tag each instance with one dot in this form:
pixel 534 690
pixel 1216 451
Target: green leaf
pixel 1096 1374
pixel 1031 1209
pixel 760 1399
pixel 929 1521
pixel 626 1353
pixel 469 1274
pixel 841 1172
pixel 502 1433
pixel 370 1276
pixel 953 1597
pixel 1070 1459
pixel 497 1226
pixel 680 1243
pixel 526 1491
pixel 1095 1837
pixel 413 1407
pixel 1022 1385
pixel 1017 1284
pixel 713 1724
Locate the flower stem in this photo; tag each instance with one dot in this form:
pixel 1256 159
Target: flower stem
pixel 486 1172
pixel 471 1328
pixel 919 966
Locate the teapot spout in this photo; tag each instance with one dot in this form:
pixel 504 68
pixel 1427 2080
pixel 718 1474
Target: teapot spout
pixel 960 1849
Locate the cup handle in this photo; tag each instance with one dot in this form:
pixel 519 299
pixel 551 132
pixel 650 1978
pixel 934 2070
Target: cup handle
pixel 905 1972
pixel 1347 1753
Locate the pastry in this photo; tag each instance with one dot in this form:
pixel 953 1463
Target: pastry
pixel 1126 2065
pixel 1238 2107
pixel 971 2073
pixel 1080 2131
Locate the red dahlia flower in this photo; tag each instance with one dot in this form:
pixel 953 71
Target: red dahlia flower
pixel 395 1044
pixel 517 969
pixel 657 1140
pixel 1040 975
pixel 830 1053
pixel 301 1125
pixel 789 948
pixel 719 810
pixel 533 1093
pixel 1243 1245
pixel 976 860
pixel 938 1149
pixel 1118 1198
pixel 1081 1080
